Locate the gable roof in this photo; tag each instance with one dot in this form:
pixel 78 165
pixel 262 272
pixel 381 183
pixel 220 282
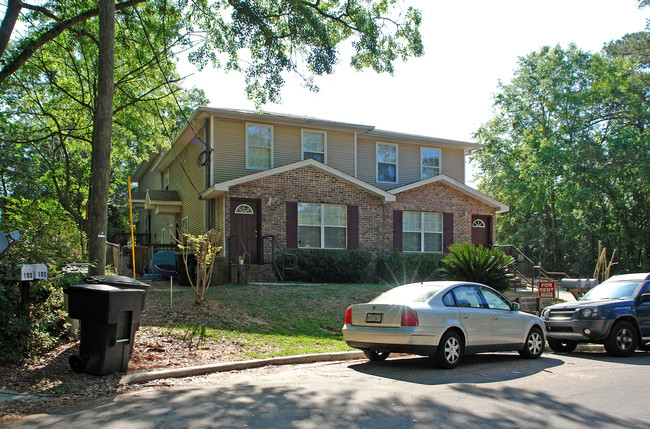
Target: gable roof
pixel 448 181
pixel 220 188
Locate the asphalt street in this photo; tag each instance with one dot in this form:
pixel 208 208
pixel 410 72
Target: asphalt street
pixel 579 390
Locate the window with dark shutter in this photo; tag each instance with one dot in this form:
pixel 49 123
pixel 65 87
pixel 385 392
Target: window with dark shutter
pixel 353 226
pixel 292 224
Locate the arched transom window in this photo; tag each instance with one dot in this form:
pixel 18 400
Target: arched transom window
pixel 478 223
pixel 244 209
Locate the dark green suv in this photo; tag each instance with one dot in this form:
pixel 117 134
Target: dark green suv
pixel 615 313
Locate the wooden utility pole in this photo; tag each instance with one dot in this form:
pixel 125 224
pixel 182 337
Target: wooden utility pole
pixel 101 143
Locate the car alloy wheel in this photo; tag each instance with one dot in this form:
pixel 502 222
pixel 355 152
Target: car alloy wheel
pixel 622 340
pixel 534 346
pixel 449 351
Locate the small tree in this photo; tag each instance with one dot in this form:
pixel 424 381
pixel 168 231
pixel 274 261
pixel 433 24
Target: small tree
pixel 205 248
pixel 477 264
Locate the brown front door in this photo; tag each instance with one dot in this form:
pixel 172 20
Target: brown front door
pixel 245 223
pixel 482 230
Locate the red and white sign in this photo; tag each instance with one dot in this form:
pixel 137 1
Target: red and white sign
pixel 547 289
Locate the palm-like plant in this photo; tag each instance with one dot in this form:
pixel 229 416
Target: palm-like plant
pixel 477 264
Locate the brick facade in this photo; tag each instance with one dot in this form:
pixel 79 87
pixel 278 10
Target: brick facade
pixel 311 185
pixel 439 198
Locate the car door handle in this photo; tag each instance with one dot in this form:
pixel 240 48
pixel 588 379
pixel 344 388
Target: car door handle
pixel 496 317
pixel 464 315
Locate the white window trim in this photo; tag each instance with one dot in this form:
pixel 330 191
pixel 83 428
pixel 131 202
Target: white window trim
pixel 377 162
pixel 171 233
pixel 185 226
pixel 422 148
pixel 244 209
pixel 248 124
pixel 422 232
pixel 163 236
pixel 302 148
pixel 323 226
pixel 478 223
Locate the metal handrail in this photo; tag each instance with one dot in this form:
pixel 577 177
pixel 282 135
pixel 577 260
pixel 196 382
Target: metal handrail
pixel 522 264
pixel 284 257
pixel 535 272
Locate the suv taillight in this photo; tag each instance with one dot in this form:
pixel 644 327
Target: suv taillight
pixel 348 316
pixel 410 317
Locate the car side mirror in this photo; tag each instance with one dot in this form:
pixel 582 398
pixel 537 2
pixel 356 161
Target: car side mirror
pixel 515 306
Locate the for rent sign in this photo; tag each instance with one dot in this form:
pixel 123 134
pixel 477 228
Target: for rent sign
pixel 547 289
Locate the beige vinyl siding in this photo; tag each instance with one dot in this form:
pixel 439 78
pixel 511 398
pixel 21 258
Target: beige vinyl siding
pixel 229 138
pixel 452 163
pixel 286 145
pixel 408 163
pixel 367 163
pixel 192 208
pixel 340 151
pixel 230 148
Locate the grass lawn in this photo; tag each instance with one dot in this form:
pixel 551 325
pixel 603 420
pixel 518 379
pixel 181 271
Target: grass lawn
pixel 267 320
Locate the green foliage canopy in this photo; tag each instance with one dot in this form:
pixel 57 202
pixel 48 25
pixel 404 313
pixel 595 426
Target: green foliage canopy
pixel 568 151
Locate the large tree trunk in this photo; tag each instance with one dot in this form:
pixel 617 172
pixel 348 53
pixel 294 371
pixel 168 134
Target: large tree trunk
pixel 102 130
pixel 12 12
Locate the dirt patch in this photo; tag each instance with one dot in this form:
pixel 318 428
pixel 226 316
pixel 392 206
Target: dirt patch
pixel 49 385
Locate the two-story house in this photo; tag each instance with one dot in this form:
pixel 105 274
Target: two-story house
pixel 311 183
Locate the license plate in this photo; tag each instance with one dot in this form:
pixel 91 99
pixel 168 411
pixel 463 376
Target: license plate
pixel 373 317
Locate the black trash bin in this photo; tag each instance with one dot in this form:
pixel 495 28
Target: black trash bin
pixel 109 317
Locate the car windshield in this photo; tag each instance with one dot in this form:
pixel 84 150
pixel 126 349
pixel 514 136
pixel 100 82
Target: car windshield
pixel 613 290
pixel 406 294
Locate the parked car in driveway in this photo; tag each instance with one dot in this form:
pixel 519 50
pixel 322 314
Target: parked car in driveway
pixel 443 320
pixel 615 313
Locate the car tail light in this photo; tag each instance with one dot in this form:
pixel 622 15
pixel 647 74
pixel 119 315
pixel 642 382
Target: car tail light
pixel 348 316
pixel 410 317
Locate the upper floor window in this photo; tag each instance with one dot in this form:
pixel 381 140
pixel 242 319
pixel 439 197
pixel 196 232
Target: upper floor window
pixel 185 226
pixel 313 145
pixel 430 162
pixel 259 146
pixel 322 226
pixel 422 232
pixel 165 180
pixel 387 162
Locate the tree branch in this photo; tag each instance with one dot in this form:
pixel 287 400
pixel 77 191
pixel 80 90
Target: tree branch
pixel 30 48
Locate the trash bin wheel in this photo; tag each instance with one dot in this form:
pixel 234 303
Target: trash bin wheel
pixel 77 363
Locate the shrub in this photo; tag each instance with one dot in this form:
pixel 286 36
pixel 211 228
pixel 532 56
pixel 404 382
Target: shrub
pixel 331 266
pixel 50 237
pixel 477 264
pixel 403 268
pixel 24 338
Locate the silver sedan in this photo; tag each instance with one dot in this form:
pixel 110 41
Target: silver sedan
pixel 443 320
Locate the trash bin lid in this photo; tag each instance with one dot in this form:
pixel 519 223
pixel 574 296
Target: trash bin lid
pixel 101 289
pixel 119 281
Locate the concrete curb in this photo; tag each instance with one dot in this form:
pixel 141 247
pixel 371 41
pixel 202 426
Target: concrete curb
pixel 234 366
pixel 283 360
